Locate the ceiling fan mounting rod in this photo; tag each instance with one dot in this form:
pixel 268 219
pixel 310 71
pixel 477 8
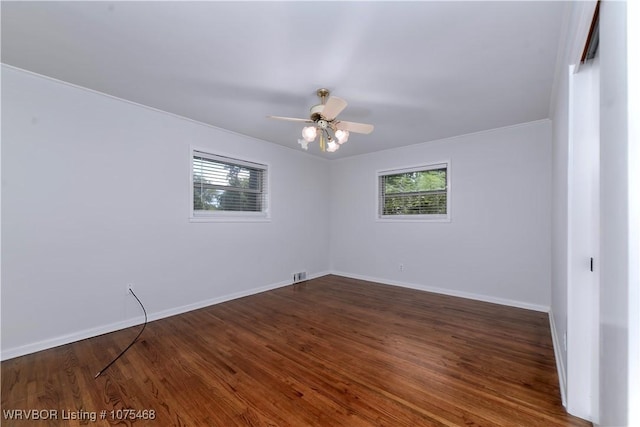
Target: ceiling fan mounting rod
pixel 322 93
pixel 316 110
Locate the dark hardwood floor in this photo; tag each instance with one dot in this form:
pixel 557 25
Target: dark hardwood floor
pixel 328 352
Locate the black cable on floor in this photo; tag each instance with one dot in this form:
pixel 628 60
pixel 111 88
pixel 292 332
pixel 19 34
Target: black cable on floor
pixel 132 342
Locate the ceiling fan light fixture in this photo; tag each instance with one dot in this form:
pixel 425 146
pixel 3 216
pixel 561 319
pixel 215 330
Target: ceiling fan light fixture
pixel 342 136
pixel 309 133
pixel 323 117
pixel 304 144
pixel 332 146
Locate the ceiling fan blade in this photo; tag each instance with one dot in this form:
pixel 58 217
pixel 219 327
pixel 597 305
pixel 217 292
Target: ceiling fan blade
pixel 291 119
pixel 333 107
pixel 355 127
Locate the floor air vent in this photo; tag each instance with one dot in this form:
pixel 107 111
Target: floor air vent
pixel 299 277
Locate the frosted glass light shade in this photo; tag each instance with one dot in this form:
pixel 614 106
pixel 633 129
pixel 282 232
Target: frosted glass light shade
pixel 342 136
pixel 304 144
pixel 309 133
pixel 332 146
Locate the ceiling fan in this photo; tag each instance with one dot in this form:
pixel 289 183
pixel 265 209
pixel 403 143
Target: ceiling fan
pixel 332 132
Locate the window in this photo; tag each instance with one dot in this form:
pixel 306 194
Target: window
pixel 226 188
pixel 414 193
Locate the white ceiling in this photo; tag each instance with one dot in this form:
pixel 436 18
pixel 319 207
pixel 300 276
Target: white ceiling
pixel 418 71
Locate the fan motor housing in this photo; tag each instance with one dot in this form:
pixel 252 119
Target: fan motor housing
pixel 316 112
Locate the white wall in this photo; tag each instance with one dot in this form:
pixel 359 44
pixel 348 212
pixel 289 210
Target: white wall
pixel 578 17
pixel 559 224
pixel 96 195
pixel 496 246
pixel 633 93
pixel 583 244
pixel 614 216
pixel 618 264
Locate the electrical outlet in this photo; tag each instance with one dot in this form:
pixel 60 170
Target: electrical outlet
pixel 401 267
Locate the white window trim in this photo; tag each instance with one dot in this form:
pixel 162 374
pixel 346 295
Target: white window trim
pixel 228 216
pixel 414 218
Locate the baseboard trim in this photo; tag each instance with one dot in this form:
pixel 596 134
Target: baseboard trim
pixel 562 375
pixel 65 339
pixel 93 332
pixel 450 292
pixel 113 327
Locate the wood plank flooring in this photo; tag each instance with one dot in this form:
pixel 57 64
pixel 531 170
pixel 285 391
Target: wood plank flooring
pixel 332 351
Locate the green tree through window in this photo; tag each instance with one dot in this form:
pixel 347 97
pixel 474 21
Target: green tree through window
pixel 416 192
pixel 219 184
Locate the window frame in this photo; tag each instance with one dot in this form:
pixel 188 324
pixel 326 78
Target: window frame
pixel 229 216
pixel 418 217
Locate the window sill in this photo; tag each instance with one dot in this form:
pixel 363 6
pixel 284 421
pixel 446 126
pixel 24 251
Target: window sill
pixel 230 218
pixel 414 218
